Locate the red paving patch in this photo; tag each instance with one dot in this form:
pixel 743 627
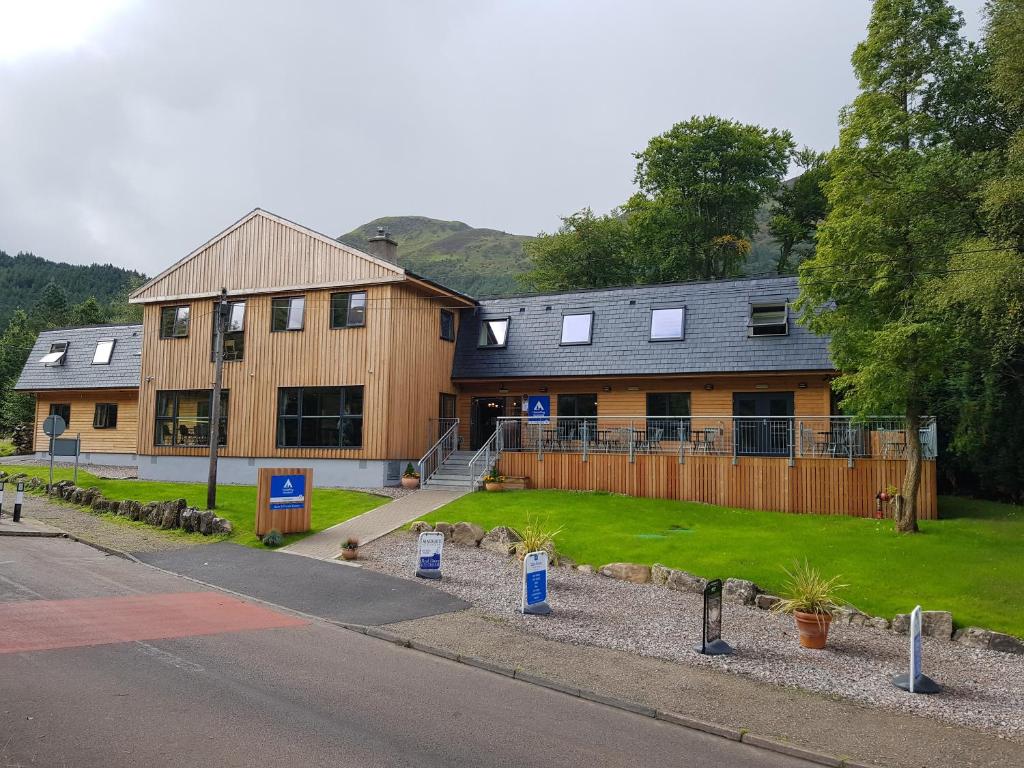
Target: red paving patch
pixel 39 625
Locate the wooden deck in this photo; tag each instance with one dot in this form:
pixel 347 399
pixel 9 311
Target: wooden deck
pixel 824 486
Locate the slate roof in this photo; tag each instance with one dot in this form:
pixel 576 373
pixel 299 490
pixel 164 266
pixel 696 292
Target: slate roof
pixel 78 372
pixel 716 340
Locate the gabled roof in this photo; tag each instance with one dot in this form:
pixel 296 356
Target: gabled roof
pixel 716 339
pixel 78 371
pixel 263 252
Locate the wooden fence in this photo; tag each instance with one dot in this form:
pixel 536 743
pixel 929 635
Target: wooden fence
pixel 820 485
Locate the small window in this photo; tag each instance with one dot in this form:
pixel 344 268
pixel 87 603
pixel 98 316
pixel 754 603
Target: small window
pixel 447 325
pixel 288 313
pixel 348 310
pixel 174 322
pixel 667 324
pixel 58 351
pixel 104 349
pixel 576 328
pixel 768 320
pixel 63 410
pixel 493 332
pixel 234 332
pixel 105 416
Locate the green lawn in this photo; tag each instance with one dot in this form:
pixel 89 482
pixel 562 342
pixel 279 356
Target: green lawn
pixel 970 562
pixel 237 503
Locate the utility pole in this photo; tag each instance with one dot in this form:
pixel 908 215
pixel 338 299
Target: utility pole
pixel 221 309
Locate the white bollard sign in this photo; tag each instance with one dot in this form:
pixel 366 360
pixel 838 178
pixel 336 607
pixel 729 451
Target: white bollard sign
pixel 428 555
pixel 535 584
pixel 916 681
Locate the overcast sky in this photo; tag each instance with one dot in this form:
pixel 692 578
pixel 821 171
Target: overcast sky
pixel 133 131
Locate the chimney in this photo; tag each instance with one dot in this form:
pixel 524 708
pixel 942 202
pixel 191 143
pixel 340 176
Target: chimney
pixel 383 246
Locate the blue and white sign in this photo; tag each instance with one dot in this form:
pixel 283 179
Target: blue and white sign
pixel 538 409
pixel 428 555
pixel 287 491
pixel 535 584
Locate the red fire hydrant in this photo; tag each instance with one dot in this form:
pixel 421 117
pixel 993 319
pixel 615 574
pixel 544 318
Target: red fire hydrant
pixel 880 497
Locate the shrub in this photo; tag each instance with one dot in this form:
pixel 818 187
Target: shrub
pixel 273 538
pixel 350 543
pixel 537 536
pixel 410 471
pixel 807 591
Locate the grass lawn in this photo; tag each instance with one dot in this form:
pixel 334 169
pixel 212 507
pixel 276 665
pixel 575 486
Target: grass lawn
pixel 237 503
pixel 970 562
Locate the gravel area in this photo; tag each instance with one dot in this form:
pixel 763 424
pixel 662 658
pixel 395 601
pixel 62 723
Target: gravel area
pixel 105 471
pixel 983 689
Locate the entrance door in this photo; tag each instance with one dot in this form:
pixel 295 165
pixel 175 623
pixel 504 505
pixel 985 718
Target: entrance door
pixel 755 430
pixel 484 415
pixel 445 414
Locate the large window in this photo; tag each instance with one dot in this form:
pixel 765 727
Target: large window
pixel 576 328
pixel 447 325
pixel 105 416
pixel 667 324
pixel 768 319
pixel 287 313
pixel 573 412
pixel 348 310
pixel 63 410
pixel 320 417
pixel 234 331
pixel 183 417
pixel 668 404
pixel 104 349
pixel 174 322
pixel 493 332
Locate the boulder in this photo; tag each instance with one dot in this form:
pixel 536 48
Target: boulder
pixel 585 568
pixel 206 522
pixel 73 494
pixel 766 602
pixel 901 623
pixel 467 534
pixel 659 574
pixel 187 520
pixel 880 622
pixel 89 494
pixel 937 624
pixel 631 572
pixel 34 483
pixel 150 513
pixel 740 591
pixel 222 525
pixel 445 528
pixel 858 619
pixel 501 539
pixel 134 510
pixel 171 516
pixel 986 639
pixel 99 503
pixel 421 527
pixel 682 581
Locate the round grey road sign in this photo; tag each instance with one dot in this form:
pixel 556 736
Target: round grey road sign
pixel 54 425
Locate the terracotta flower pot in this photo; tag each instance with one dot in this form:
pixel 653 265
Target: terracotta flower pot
pixel 410 482
pixel 813 628
pixel 493 486
pixel 349 554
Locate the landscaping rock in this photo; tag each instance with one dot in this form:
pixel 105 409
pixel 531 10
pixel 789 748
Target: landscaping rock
pixel 206 522
pixel 446 529
pixel 937 624
pixel 880 622
pixel 766 602
pixel 75 497
pixel 659 574
pixel 740 591
pixel 222 525
pixel 631 572
pixel 421 527
pixel 150 513
pixel 467 534
pixel 88 495
pixel 99 503
pixel 501 539
pixel 134 510
pixel 585 568
pixel 901 623
pixel 171 516
pixel 34 483
pixel 681 581
pixel 187 520
pixel 976 637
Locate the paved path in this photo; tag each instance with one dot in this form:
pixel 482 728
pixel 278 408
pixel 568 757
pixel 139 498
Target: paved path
pixel 326 545
pixel 307 695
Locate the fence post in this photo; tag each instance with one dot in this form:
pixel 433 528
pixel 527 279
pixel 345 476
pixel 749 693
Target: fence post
pixel 682 444
pixel 632 443
pixel 849 443
pixel 792 445
pixel 583 432
pixel 735 442
pixel 540 442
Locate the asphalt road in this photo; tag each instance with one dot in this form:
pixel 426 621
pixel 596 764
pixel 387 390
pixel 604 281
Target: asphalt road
pixel 305 693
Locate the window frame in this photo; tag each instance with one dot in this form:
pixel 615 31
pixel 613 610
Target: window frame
pixel 451 325
pixel 484 323
pixel 175 416
pixel 275 301
pixel 752 326
pixel 176 308
pixel 64 406
pixel 110 352
pixel 108 410
pixel 233 356
pixel 681 308
pixel 590 329
pixel 348 309
pixel 674 426
pixel 344 392
pixel 56 357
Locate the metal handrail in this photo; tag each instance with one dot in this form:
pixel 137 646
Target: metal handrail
pixel 439 451
pixel 490 451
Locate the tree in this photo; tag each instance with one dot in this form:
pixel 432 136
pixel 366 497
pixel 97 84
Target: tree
pixel 798 207
pixel 588 251
pixel 900 199
pixel 701 184
pixel 15 345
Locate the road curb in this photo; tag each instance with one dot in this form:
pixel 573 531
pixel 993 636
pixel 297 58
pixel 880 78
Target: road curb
pixel 34 534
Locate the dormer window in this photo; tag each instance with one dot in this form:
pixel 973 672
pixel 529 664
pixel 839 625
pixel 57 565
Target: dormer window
pixel 667 324
pixel 104 349
pixel 493 333
pixel 768 319
pixel 58 351
pixel 576 328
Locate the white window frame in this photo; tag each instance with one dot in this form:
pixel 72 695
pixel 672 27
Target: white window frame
pixel 57 354
pixel 681 309
pixel 102 345
pixel 753 324
pixel 590 328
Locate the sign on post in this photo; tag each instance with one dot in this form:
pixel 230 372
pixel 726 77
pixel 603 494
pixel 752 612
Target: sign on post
pixel 915 681
pixel 535 584
pixel 428 555
pixel 538 409
pixel 19 496
pixel 711 643
pixel 53 426
pixel 285 500
pixel 287 491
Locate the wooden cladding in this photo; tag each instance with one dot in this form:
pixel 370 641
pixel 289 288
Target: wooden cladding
pixel 819 486
pixel 121 438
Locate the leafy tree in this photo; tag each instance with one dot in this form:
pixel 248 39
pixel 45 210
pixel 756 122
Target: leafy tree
pixel 798 207
pixel 15 344
pixel 701 184
pixel 900 198
pixel 588 251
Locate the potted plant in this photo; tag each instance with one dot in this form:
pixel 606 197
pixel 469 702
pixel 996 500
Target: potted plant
pixel 350 548
pixel 493 480
pixel 811 599
pixel 410 478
